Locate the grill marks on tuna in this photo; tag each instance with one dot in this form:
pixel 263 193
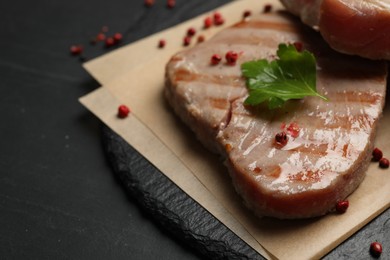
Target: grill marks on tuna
pixel 325 162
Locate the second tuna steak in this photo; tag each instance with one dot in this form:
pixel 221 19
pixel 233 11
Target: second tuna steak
pixel 360 27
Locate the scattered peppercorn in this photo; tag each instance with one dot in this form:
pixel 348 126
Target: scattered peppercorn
pixel 215 59
pixel 201 38
pixel 281 138
pixel 228 147
pixel 231 57
pixel 161 43
pixel 298 46
pixel 218 18
pixel 246 14
pixel 257 169
pixel 375 249
pixel 109 42
pixel 342 206
pixel 219 21
pixel 384 163
pixel 377 154
pixel 76 49
pixel 117 37
pixel 123 111
pixel 267 8
pixel 149 3
pixel 208 21
pixel 171 4
pixel 293 130
pixel 217 15
pixel 187 41
pixel 191 31
pixel 100 37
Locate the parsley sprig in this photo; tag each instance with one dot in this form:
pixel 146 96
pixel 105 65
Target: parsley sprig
pixel 291 76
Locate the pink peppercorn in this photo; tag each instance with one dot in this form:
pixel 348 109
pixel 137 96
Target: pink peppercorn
pixel 231 57
pixel 109 42
pixel 246 14
pixel 267 8
pixel 342 206
pixel 187 41
pixel 208 21
pixel 215 59
pixel 217 15
pixel 191 31
pixel 281 139
pixel 375 249
pixel 218 18
pixel 377 154
pixel 149 3
pixel 201 38
pixel 219 21
pixel 293 130
pixel 123 111
pixel 100 37
pixel 117 37
pixel 384 163
pixel 76 49
pixel 161 43
pixel 171 4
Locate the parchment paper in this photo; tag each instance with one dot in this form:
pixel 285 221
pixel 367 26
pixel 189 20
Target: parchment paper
pixel 156 133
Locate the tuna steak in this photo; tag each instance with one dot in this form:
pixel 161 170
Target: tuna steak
pixel 360 27
pixel 330 143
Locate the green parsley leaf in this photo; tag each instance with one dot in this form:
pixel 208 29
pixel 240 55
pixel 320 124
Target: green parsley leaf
pixel 291 76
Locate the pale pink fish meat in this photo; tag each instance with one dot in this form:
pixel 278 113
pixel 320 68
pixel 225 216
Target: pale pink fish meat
pixel 321 164
pixel 359 27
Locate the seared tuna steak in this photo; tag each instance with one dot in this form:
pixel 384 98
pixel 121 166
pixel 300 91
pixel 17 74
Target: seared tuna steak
pixel 360 27
pixel 329 142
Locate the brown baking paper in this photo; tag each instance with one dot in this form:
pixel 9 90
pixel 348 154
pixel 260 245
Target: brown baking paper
pixel 158 135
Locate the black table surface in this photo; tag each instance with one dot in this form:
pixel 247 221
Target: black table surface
pixel 59 198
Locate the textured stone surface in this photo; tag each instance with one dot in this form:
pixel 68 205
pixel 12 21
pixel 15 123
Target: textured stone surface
pixel 173 209
pixel 176 212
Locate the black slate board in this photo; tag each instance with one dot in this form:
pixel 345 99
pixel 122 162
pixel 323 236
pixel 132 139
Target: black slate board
pixel 186 220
